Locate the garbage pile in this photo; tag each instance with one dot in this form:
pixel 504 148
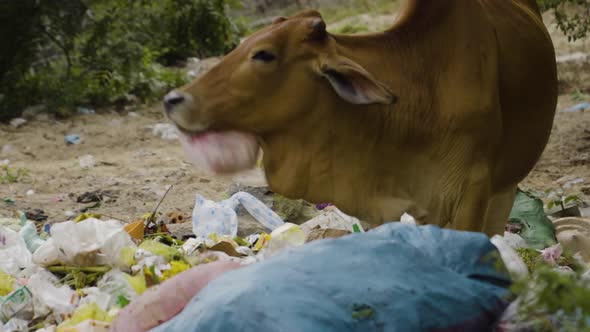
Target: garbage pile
pixel 79 274
pixel 549 260
pixel 92 273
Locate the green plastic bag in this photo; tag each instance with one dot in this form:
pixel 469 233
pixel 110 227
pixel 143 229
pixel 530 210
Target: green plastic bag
pixel 537 230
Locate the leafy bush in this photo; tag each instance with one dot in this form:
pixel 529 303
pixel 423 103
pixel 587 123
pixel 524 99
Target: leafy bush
pixel 99 52
pixel 573 16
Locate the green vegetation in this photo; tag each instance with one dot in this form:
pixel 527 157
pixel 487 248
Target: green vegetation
pixel 12 175
pixel 572 16
pixel 376 7
pixel 549 293
pixel 352 29
pixel 72 53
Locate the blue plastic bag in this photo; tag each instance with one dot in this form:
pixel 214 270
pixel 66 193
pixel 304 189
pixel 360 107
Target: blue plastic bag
pixel 394 278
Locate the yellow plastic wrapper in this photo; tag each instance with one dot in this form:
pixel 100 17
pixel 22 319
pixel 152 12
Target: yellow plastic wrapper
pixel 127 254
pixel 86 312
pixel 158 248
pixel 262 241
pixel 6 283
pixel 177 267
pixel 137 282
pixel 87 215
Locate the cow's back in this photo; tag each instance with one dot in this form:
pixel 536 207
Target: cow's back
pixel 527 87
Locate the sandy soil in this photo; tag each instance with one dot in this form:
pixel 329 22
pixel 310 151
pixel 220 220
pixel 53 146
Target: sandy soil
pixel 138 166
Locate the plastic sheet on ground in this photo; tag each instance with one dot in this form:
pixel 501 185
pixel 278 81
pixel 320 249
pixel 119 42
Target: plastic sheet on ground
pixel 394 278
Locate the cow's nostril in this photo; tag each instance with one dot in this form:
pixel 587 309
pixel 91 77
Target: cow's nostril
pixel 172 99
pixel 175 100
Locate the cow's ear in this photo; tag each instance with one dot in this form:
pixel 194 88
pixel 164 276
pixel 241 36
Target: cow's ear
pixel 354 84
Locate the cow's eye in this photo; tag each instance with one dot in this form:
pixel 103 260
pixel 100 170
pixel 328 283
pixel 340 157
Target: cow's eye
pixel 264 56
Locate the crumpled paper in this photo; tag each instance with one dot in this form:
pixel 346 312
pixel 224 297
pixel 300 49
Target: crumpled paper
pixel 220 218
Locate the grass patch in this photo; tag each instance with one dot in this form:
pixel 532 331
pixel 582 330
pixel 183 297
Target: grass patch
pixel 13 175
pixel 352 28
pixel 378 7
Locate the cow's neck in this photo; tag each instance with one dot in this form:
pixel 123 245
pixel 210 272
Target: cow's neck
pixel 352 154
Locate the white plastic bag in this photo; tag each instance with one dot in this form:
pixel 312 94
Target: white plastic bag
pixel 14 254
pixel 115 284
pixel 89 242
pixel 48 298
pixel 333 218
pixel 287 236
pixel 29 234
pixel 515 265
pixel 220 217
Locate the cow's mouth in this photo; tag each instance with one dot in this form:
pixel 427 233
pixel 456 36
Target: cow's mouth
pixel 219 151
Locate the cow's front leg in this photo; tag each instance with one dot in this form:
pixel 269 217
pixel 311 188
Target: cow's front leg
pixel 473 205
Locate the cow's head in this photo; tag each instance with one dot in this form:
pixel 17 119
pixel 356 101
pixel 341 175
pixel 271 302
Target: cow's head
pixel 274 77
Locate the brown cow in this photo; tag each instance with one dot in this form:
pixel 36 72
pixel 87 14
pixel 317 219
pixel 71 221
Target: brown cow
pixel 441 116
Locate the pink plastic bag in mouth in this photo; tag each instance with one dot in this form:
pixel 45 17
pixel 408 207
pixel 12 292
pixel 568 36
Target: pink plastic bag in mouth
pixel 221 152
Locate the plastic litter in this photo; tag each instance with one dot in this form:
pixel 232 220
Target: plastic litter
pixel 287 236
pixel 552 254
pixel 6 283
pixel 13 224
pixel 161 303
pixel 191 245
pixel 36 215
pixel 165 130
pixel 512 261
pixel 90 295
pixel 158 248
pixel 9 201
pixel 574 235
pixel 15 325
pixel 407 219
pixel 226 248
pixel 151 262
pixel 325 233
pixel 18 304
pixel 72 139
pixel 537 230
pixel 136 229
pixel 89 242
pixel 118 284
pixel 84 317
pixel 17 122
pixel 577 108
pixel 220 218
pixel 332 218
pixel 87 162
pixel 49 298
pixel 30 192
pixel 29 234
pixel 14 254
pixel 515 241
pixel 85 111
pixel 459 287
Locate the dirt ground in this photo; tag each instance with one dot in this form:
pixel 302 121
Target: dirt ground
pixel 138 166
